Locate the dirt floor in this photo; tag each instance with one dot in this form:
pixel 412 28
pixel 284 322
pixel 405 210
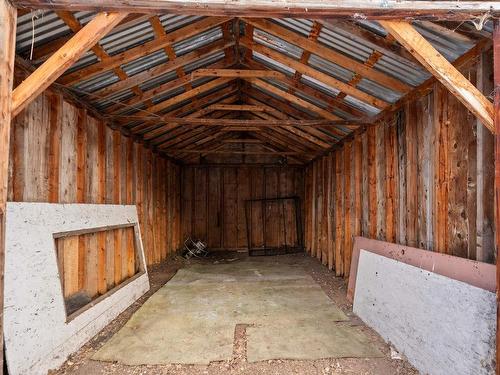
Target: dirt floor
pixel 81 364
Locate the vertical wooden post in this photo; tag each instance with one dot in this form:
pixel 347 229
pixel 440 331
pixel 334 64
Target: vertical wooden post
pixel 496 113
pixel 7 51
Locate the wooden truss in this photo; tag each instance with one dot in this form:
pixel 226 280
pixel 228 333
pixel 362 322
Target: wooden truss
pixel 272 109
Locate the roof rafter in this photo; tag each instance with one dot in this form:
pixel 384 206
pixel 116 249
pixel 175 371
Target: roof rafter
pixel 443 70
pixel 142 50
pixel 332 102
pixel 312 46
pixel 316 74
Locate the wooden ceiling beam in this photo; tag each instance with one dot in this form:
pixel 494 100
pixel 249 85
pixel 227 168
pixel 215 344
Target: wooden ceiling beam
pixel 278 103
pixel 244 140
pixel 191 139
pixel 423 89
pixel 365 9
pixel 171 139
pixel 329 54
pixel 61 60
pixel 316 74
pixel 291 142
pixel 160 33
pixel 274 111
pixel 183 110
pixel 162 69
pixel 219 144
pixel 189 94
pixel 187 109
pixel 142 50
pixel 296 140
pixel 443 70
pixel 292 98
pixel 211 98
pixel 306 134
pixel 156 131
pixel 283 146
pixel 213 145
pixel 241 107
pixel 306 54
pixel 230 53
pixel 206 139
pixel 182 132
pixel 237 107
pixel 269 122
pixel 272 145
pixel 237 73
pixel 314 131
pixel 242 129
pixel 333 103
pixel 235 152
pixel 208 109
pixel 176 136
pixel 303 132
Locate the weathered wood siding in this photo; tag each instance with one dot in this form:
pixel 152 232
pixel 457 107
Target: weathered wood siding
pixel 62 154
pixel 78 269
pixel 424 179
pixel 213 202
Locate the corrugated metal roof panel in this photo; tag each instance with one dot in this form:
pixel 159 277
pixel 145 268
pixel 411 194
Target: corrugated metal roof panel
pixel 401 71
pixel 96 83
pixel 344 43
pixel 102 104
pixel 378 91
pixel 277 44
pixel 197 41
pixel 273 64
pixel 298 25
pixel 302 109
pixel 157 81
pixel 330 68
pixel 88 58
pixel 172 22
pixel 43 26
pixel 145 62
pixel 122 40
pixel 41 29
pixel 208 60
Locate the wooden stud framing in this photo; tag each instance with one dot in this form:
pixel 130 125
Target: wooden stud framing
pixel 496 113
pixel 7 53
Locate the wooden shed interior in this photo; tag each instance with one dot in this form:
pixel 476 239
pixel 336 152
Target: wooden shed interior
pixel 273 126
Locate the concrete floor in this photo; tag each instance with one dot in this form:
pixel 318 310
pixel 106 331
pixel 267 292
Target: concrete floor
pixel 192 319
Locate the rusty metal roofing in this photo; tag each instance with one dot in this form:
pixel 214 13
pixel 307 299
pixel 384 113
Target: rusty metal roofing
pixel 40 32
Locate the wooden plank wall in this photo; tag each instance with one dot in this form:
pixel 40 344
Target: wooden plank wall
pixel 213 200
pixel 78 269
pixel 61 154
pixel 423 179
